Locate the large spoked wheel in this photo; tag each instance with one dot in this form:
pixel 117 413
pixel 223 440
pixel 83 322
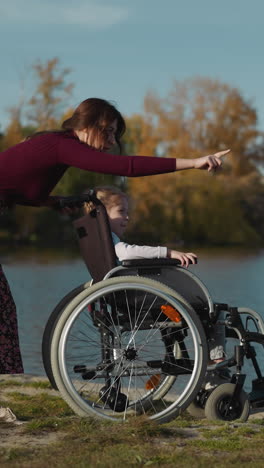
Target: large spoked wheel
pixel 128 346
pixel 219 405
pixel 49 328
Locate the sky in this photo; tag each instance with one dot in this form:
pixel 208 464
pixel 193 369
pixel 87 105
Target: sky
pixel 121 49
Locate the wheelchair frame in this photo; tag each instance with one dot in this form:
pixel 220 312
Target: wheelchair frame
pixel 167 366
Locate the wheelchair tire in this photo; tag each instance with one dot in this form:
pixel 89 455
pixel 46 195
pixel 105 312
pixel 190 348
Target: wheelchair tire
pixel 116 389
pixel 217 406
pixel 49 328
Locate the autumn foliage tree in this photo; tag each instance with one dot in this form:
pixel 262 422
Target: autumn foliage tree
pixel 202 115
pixel 46 109
pixel 42 111
pixel 199 116
pixel 50 96
pixel 14 131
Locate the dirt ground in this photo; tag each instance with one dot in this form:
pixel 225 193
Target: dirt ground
pixel 12 435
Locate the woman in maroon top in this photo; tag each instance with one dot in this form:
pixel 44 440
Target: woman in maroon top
pixel 30 170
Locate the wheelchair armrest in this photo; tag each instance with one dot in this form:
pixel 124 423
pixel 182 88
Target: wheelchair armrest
pixel 150 262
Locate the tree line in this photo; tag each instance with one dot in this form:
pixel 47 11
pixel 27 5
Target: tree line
pixel 198 116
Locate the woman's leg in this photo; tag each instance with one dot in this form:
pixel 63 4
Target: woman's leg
pixel 10 356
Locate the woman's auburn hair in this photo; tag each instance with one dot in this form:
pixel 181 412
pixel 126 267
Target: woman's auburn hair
pixel 95 115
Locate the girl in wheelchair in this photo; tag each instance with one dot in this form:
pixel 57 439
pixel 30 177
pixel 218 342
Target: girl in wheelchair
pixel 116 203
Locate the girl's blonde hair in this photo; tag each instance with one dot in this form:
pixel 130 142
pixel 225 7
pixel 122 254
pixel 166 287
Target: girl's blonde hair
pixel 108 195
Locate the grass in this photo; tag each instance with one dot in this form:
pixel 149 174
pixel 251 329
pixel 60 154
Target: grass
pixel 35 384
pixel 54 436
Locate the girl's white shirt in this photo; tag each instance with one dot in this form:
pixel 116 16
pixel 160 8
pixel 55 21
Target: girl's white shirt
pixel 126 251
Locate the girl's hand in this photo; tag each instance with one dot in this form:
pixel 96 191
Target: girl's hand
pixel 185 258
pixel 211 162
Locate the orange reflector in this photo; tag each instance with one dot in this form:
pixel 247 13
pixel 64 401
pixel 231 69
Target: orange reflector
pixel 171 313
pixel 153 382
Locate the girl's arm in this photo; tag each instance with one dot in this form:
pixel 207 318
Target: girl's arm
pixel 126 251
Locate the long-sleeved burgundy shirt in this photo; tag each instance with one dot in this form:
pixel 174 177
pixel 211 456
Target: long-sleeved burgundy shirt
pixel 30 170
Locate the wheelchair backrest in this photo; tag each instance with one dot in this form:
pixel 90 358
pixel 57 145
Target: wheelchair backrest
pixel 97 249
pixel 95 241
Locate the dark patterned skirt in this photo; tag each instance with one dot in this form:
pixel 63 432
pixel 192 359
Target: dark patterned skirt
pixel 10 356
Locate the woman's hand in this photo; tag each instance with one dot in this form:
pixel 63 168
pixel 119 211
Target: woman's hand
pixel 185 258
pixel 70 211
pixel 211 162
pixel 54 202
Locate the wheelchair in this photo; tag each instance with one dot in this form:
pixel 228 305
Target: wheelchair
pixel 134 340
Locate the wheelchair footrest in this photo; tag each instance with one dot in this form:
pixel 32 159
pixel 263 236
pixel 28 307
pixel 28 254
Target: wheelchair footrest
pixel 256 403
pixel 180 367
pixel 177 367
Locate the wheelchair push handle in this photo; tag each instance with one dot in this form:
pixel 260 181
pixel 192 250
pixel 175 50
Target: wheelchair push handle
pixel 77 201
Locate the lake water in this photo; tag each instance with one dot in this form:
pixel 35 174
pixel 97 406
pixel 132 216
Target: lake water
pixel 39 281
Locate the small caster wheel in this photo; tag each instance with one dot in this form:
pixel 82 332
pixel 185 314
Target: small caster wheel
pixel 219 405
